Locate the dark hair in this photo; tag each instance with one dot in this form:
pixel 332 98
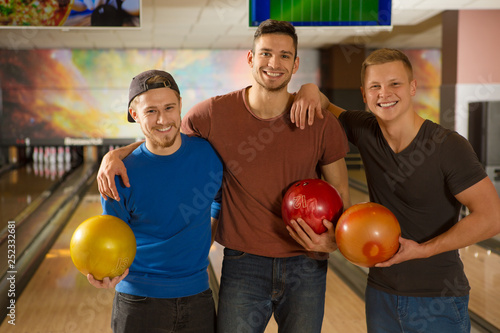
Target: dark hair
pixel 383 56
pixel 276 27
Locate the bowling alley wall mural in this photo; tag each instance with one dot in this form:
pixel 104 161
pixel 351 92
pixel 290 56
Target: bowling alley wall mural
pixel 51 95
pixel 56 94
pixel 427 71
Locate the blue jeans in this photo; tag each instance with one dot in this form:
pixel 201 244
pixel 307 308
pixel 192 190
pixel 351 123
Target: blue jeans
pixel 387 313
pixel 253 287
pixel 137 314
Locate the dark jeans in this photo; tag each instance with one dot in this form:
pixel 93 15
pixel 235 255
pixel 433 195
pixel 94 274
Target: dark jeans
pixel 254 287
pixel 137 314
pixel 387 313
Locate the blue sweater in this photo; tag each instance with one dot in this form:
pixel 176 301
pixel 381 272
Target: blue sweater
pixel 168 206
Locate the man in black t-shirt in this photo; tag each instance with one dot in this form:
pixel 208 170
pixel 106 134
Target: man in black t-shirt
pixel 423 173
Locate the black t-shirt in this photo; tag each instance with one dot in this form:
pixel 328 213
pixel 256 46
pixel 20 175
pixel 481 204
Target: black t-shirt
pixel 418 185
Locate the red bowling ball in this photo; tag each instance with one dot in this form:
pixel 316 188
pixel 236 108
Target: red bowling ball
pixel 367 234
pixel 312 200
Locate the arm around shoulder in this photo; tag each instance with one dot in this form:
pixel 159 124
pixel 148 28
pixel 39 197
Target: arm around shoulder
pixel 111 166
pixel 198 120
pixel 335 110
pixel 308 103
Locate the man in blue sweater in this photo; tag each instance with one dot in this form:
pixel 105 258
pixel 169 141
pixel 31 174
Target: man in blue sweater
pixel 175 179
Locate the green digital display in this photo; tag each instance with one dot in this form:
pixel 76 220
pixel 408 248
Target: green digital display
pixel 322 12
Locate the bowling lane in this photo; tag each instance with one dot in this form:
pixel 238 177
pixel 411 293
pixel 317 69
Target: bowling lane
pixel 41 213
pixel 482 267
pixel 59 298
pixel 22 186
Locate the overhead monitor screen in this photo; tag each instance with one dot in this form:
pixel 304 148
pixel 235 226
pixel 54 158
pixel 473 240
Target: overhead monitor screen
pixel 69 13
pixel 322 13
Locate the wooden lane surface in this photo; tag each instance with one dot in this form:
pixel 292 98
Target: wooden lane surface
pixel 483 271
pixel 59 299
pixel 18 188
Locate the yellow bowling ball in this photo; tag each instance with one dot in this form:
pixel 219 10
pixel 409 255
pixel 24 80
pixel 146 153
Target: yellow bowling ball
pixel 103 245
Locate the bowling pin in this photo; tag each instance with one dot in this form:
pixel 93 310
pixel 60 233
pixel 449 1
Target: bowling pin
pixel 67 166
pixel 52 156
pixel 27 151
pixel 67 155
pixel 36 166
pixel 53 171
pixel 60 169
pixel 35 155
pixel 46 170
pixel 60 154
pixel 40 155
pixel 46 155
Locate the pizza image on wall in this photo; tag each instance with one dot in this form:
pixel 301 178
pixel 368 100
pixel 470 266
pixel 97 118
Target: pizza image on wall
pixel 34 12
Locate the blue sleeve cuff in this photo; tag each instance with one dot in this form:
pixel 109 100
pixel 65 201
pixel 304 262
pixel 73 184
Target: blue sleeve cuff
pixel 215 211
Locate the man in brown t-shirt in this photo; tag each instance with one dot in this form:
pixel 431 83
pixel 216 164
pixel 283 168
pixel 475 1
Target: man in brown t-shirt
pixel 265 270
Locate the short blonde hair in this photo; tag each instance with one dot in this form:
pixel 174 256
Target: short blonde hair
pixel 383 56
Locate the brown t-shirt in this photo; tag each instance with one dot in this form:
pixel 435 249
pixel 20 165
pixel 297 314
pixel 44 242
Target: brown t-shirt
pixel 262 158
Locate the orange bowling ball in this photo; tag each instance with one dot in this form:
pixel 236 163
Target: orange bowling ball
pixel 103 245
pixel 367 234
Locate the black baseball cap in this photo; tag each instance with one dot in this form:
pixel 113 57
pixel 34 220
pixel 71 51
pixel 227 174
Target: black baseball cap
pixel 138 85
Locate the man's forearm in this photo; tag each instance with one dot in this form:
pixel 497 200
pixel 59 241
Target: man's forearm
pixel 124 151
pixel 327 105
pixel 325 102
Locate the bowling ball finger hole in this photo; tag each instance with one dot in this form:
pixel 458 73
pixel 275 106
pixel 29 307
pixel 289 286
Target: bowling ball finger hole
pixel 371 249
